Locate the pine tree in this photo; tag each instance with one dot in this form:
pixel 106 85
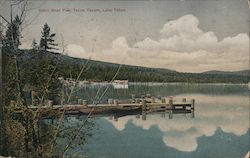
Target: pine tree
pixel 34 44
pixel 13 34
pixel 47 41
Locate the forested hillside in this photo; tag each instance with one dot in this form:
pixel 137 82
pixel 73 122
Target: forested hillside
pixel 69 67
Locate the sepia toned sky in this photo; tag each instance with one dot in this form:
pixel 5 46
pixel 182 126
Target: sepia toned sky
pixel 184 35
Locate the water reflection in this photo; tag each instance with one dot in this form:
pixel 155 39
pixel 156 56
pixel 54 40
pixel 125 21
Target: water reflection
pixel 88 92
pixel 229 113
pixel 220 127
pixel 221 123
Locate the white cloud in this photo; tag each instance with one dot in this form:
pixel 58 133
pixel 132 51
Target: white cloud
pixel 117 54
pixel 120 44
pixel 185 47
pixel 76 51
pixel 185 27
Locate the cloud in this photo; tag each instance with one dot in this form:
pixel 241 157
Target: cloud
pixel 76 51
pixel 182 133
pixel 118 52
pixel 183 46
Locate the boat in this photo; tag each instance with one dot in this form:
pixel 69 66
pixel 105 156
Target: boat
pixel 120 84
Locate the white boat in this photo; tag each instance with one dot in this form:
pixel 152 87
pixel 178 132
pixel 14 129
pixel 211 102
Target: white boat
pixel 120 84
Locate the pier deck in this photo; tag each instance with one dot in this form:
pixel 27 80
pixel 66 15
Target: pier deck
pixel 136 105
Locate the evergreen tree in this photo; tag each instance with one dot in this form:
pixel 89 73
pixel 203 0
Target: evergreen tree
pixel 13 34
pixel 47 41
pixel 34 44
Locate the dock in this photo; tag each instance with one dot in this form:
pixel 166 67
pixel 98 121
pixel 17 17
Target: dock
pixel 115 107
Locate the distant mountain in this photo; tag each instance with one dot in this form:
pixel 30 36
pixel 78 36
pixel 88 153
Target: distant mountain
pixel 240 73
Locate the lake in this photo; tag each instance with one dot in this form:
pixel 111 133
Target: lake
pixel 220 127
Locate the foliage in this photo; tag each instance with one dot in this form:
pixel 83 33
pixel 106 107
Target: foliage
pixel 24 133
pixel 34 45
pixel 13 34
pixel 69 67
pixel 47 41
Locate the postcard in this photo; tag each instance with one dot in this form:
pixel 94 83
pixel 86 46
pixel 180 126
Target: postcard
pixel 124 79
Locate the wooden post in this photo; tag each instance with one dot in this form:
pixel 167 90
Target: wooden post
pixel 170 116
pixel 192 103
pixel 144 115
pixel 133 100
pixel 79 101
pixel 171 108
pixel 171 103
pixel 110 101
pixel 115 118
pixel 116 102
pixel 153 99
pixel 84 102
pixel 163 100
pixel 144 109
pixel 163 115
pixel 133 96
pixel 192 108
pixel 50 103
pixel 144 105
pixel 137 116
pixel 184 100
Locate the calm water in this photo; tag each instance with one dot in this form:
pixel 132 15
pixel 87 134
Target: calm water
pixel 220 128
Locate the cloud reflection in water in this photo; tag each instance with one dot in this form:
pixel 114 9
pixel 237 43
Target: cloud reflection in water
pixel 230 113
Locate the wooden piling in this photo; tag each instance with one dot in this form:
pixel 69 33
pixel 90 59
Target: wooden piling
pixel 163 100
pixel 111 117
pixel 144 105
pixel 137 116
pixel 84 102
pixel 144 109
pixel 184 100
pixel 171 108
pixel 50 103
pixel 116 102
pixel 115 118
pixel 148 95
pixel 192 108
pixel 133 96
pixel 144 115
pixel 152 99
pixel 110 101
pixel 170 102
pixel 192 103
pixel 79 101
pixel 163 115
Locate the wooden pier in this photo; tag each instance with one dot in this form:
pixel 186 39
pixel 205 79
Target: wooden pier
pixel 143 106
